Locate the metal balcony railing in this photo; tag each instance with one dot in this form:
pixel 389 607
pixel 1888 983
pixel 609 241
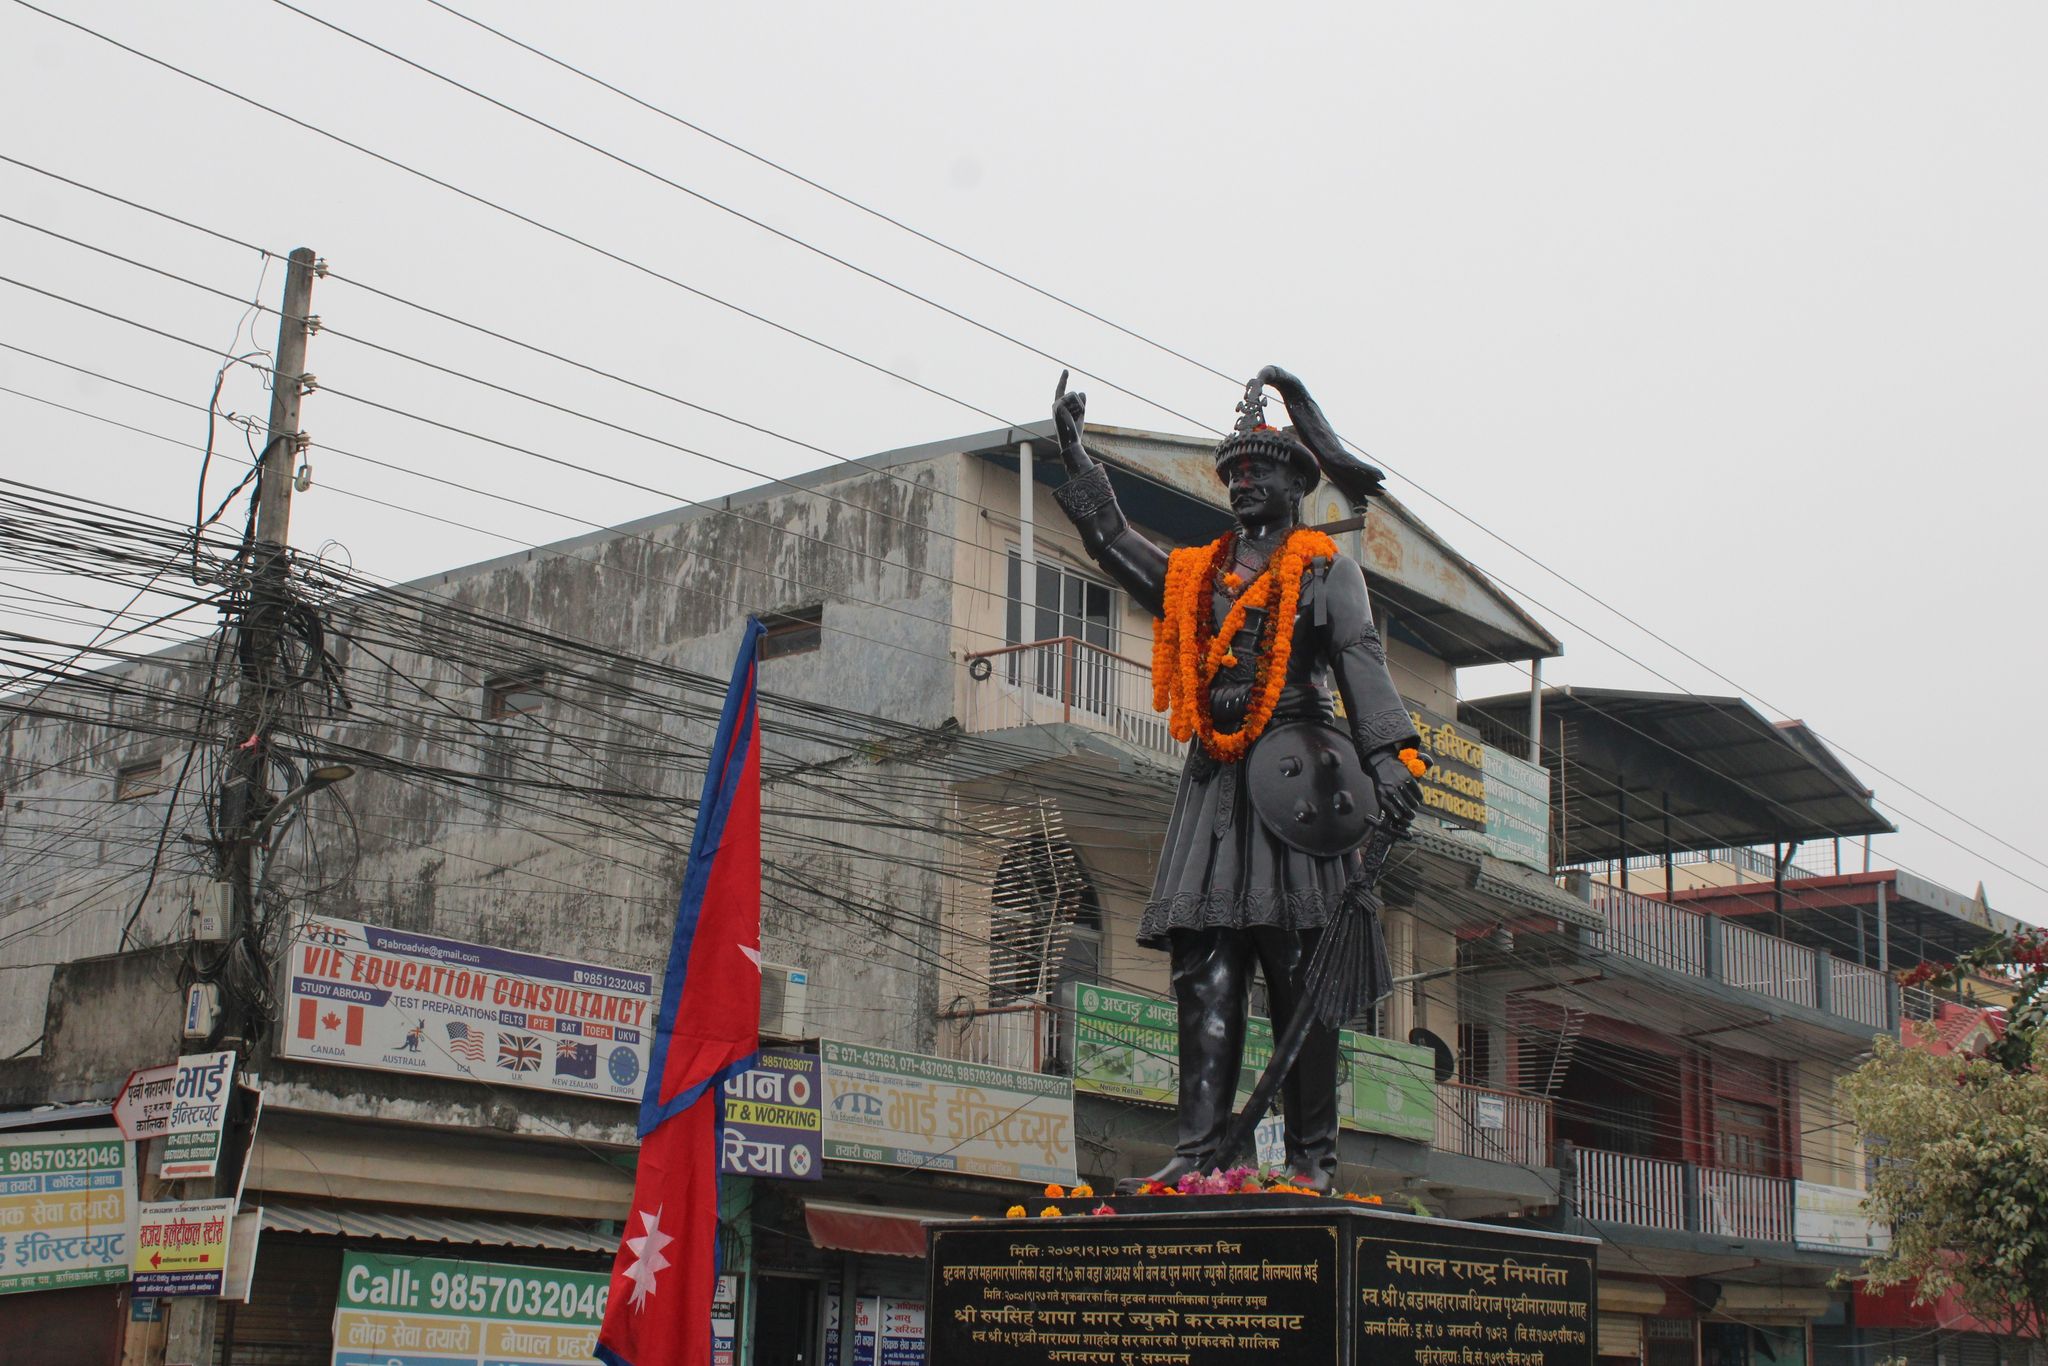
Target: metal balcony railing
pixel 1652 931
pixel 1742 1205
pixel 1499 1126
pixel 1717 947
pixel 1650 1192
pixel 1765 964
pixel 1069 680
pixel 1615 1188
pixel 1022 1035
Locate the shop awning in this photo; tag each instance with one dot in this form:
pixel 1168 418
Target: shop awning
pixel 429 1228
pixel 868 1228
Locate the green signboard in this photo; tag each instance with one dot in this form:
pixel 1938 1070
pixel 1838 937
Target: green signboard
pixel 399 1308
pixel 1125 1046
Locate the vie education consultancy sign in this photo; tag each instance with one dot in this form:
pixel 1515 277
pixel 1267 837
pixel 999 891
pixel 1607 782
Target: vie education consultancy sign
pixel 397 1001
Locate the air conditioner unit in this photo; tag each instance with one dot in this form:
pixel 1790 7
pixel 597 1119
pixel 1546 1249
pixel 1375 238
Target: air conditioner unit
pixel 783 992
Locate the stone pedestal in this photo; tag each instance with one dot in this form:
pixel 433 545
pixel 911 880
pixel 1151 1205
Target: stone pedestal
pixel 1234 1280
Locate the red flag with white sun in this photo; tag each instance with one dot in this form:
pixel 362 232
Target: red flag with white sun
pixel 659 1312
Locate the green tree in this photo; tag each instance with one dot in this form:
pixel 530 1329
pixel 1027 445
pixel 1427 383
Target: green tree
pixel 1961 1143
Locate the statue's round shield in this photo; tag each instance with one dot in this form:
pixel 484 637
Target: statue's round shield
pixel 1307 785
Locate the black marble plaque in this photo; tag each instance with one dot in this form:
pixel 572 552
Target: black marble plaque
pixel 1177 1291
pixel 1432 1293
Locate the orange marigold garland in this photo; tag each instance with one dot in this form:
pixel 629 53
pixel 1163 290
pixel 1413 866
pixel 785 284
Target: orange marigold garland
pixel 1189 650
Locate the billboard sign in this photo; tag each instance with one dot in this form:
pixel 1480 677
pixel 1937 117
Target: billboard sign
pixel 396 1001
pixel 936 1114
pixel 773 1120
pixel 1125 1044
pixel 181 1247
pixel 201 1087
pixel 67 1211
pixel 395 1308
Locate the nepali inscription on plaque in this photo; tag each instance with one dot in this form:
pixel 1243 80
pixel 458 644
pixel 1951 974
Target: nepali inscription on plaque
pixel 1469 1301
pixel 1111 1292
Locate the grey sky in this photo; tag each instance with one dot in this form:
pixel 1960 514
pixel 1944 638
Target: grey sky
pixel 1730 314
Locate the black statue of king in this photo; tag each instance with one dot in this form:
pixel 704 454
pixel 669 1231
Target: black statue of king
pixel 1233 890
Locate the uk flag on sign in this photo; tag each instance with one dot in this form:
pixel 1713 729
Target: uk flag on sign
pixel 519 1052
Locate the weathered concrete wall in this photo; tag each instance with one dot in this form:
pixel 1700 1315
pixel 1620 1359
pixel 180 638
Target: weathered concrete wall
pixel 563 832
pixel 106 1017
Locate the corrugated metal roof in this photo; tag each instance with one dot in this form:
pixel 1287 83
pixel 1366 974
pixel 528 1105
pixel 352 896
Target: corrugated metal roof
pixel 56 1114
pixel 432 1228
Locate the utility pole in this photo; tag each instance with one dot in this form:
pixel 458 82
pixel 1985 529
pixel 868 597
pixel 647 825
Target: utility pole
pixel 245 797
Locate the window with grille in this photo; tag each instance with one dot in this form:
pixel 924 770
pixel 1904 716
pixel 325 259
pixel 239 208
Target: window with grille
pixel 1746 1137
pixel 510 695
pixel 144 778
pixel 796 632
pixel 1065 606
pixel 1045 923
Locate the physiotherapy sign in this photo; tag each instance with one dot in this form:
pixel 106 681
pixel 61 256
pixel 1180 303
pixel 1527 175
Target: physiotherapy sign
pixel 396 1001
pixel 1125 1045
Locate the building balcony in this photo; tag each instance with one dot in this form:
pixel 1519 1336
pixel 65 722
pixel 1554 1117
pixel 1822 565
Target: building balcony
pixel 1718 949
pixel 1023 1035
pixel 1495 1126
pixel 1067 681
pixel 1651 1193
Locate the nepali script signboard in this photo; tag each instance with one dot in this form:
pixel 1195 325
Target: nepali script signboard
pixel 460 1313
pixel 181 1247
pixel 936 1114
pixel 1125 1045
pixel 773 1124
pixel 67 1213
pixel 396 1001
pixel 201 1085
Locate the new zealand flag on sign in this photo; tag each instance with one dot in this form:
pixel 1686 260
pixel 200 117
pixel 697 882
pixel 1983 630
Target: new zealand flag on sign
pixel 519 1052
pixel 575 1059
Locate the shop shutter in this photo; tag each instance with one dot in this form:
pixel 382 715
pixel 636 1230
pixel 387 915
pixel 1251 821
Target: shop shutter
pixel 289 1319
pixel 1621 1335
pixel 1977 1349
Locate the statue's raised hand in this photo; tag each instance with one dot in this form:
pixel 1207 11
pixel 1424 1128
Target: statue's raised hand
pixel 1069 411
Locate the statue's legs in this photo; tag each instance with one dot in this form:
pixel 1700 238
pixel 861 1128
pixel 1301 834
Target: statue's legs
pixel 1211 979
pixel 1309 1091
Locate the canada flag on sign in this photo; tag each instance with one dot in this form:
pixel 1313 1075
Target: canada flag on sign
pixel 319 1020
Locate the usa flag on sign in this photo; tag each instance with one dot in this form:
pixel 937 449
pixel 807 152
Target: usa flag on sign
pixel 465 1042
pixel 519 1052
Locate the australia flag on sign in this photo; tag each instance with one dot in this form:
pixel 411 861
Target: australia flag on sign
pixel 519 1052
pixel 575 1059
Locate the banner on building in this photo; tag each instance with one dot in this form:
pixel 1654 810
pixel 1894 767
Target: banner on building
pixel 361 996
pixel 1832 1219
pixel 773 1119
pixel 67 1213
pixel 902 1333
pixel 396 1308
pixel 1517 810
pixel 936 1114
pixel 181 1247
pixel 1454 789
pixel 201 1087
pixel 1125 1044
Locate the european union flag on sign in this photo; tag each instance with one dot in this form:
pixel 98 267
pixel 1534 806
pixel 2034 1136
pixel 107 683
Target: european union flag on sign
pixel 576 1059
